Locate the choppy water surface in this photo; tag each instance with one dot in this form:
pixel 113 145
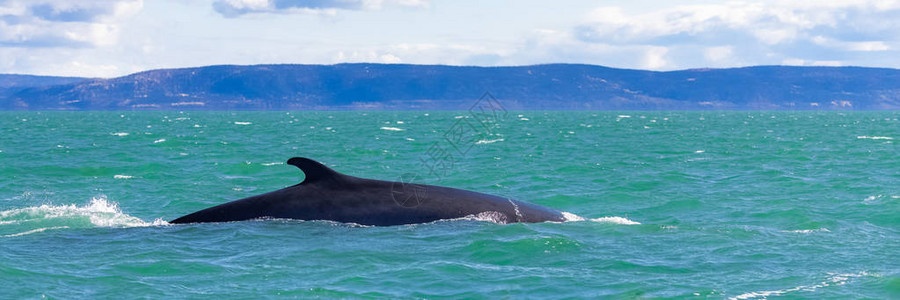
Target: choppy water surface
pixel 740 205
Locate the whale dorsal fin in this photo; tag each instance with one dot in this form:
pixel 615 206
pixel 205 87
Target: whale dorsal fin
pixel 314 171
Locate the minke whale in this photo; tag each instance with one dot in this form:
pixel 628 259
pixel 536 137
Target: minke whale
pixel 328 195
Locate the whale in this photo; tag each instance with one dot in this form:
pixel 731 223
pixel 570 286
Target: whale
pixel 325 194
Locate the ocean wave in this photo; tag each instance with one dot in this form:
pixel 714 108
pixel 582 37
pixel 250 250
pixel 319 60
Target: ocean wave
pixel 35 231
pixel 100 212
pixel 874 137
pixel 391 128
pixel 488 141
pixel 875 199
pixel 833 279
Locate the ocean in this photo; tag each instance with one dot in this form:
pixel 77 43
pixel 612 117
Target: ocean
pixel 669 204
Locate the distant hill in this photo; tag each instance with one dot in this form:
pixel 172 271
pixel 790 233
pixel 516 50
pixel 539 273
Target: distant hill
pixel 13 83
pixel 398 86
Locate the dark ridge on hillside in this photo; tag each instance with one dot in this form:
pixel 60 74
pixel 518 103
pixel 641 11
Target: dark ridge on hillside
pixel 399 86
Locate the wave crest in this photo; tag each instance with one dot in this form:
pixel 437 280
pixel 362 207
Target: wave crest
pixel 833 279
pixel 100 212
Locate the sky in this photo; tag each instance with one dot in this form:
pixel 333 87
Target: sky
pixel 108 38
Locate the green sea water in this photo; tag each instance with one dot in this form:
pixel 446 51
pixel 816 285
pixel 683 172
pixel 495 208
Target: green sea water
pixel 740 205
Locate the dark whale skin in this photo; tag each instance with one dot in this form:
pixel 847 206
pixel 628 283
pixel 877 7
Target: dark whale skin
pixel 329 195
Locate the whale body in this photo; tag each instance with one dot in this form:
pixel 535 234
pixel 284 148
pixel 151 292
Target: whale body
pixel 328 195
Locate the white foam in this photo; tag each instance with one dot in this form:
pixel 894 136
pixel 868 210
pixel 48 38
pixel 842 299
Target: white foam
pixel 570 217
pixel 272 163
pixel 100 212
pixel 159 141
pixel 243 123
pixel 833 279
pixel 489 216
pixel 872 199
pixel 120 133
pixel 615 220
pixel 874 137
pixel 123 176
pixel 807 231
pixel 391 128
pixel 488 141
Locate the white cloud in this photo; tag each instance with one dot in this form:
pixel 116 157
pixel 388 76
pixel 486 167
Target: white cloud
pixel 116 37
pixel 390 59
pixel 59 62
pixel 772 23
pixel 861 46
pixel 719 53
pixel 55 23
pixel 236 8
pixel 249 4
pixel 805 32
pixel 867 46
pixel 654 58
pixel 818 63
pixel 80 67
pixel 379 55
pixel 425 53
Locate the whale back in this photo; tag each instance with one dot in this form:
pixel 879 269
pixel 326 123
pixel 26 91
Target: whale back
pixel 325 194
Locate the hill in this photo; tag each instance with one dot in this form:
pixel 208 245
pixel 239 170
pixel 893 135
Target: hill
pixel 399 86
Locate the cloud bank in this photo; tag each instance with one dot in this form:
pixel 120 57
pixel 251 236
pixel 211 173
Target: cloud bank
pixel 784 32
pixel 727 34
pixel 116 37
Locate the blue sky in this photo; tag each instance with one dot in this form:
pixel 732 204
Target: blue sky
pixel 104 38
